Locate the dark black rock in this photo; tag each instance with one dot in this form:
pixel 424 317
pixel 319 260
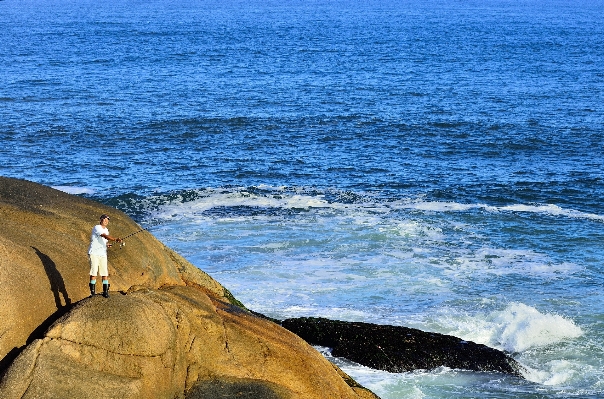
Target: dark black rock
pixel 399 349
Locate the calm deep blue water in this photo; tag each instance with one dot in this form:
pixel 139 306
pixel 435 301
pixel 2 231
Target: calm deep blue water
pixel 433 164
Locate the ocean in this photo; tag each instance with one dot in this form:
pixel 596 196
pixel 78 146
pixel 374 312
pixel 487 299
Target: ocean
pixel 436 164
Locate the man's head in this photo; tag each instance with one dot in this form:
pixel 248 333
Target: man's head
pixel 104 220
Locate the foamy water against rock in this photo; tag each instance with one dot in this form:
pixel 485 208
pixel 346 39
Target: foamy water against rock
pixel 167 331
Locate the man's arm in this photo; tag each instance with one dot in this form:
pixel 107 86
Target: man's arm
pixel 108 237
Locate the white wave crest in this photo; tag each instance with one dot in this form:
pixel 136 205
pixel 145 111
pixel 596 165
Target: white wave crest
pixel 520 327
pixel 74 190
pixel 549 209
pixel 275 198
pixel 515 329
pixel 287 198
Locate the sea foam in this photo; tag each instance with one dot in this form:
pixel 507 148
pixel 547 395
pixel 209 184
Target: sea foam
pixel 520 327
pixel 74 190
pixel 548 209
pixel 300 198
pixel 515 329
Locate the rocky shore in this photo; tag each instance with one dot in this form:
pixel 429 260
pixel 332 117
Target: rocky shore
pixel 168 329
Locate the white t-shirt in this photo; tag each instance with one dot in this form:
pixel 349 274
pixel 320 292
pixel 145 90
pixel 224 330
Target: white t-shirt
pixel 98 244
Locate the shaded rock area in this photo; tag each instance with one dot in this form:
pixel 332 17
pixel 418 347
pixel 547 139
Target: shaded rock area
pixel 398 349
pixel 168 329
pixel 244 389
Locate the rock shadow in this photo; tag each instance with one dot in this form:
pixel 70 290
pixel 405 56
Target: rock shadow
pixel 244 389
pixel 57 284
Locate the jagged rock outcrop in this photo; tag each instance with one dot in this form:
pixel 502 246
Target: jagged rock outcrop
pixel 167 331
pixel 398 349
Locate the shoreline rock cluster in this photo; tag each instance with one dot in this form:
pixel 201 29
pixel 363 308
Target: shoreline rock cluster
pixel 168 330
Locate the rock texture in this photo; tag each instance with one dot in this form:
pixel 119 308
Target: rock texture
pixel 398 349
pixel 167 331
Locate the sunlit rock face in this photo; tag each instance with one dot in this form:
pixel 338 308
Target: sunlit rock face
pixel 168 330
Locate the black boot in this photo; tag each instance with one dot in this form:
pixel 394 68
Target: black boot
pixel 92 289
pixel 106 290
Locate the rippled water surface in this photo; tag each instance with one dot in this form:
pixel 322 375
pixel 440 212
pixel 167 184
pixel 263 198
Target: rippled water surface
pixel 433 164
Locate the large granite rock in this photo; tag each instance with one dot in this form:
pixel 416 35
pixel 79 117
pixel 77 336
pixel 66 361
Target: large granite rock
pixel 398 349
pixel 167 331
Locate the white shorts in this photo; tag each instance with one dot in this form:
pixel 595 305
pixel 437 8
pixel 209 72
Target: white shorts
pixel 98 264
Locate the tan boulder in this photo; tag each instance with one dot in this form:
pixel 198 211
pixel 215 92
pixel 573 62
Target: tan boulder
pixel 170 332
pixel 44 237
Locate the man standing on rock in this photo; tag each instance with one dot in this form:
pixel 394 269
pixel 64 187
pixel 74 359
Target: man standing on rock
pixel 97 252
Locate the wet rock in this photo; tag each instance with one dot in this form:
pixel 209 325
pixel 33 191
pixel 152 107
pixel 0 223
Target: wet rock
pixel 399 349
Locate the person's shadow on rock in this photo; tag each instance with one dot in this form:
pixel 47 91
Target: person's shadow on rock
pixel 57 285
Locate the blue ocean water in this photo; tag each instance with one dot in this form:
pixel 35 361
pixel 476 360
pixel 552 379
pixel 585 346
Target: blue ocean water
pixel 435 164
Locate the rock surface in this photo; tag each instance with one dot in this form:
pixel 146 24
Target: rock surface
pixel 398 349
pixel 167 331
